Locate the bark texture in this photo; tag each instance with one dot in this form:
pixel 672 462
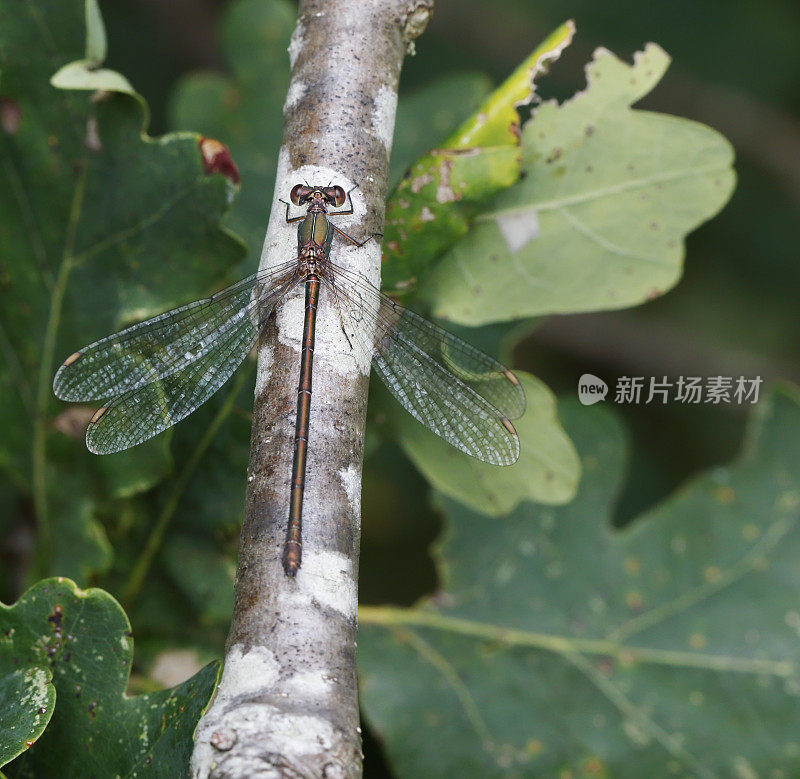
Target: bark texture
pixel 287 704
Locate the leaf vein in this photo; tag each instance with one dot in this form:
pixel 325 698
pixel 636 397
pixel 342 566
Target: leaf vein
pixel 459 688
pixel 627 708
pixel 613 189
pixel 388 617
pixel 604 243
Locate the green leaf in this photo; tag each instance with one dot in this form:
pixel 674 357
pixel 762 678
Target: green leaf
pixel 559 646
pixel 28 700
pixel 497 121
pixel 203 574
pixel 102 225
pixel 96 44
pixel 437 199
pixel 83 74
pixel 431 113
pixel 599 220
pixel 430 208
pixel 547 471
pixel 136 471
pixel 245 110
pixel 82 548
pixel 83 638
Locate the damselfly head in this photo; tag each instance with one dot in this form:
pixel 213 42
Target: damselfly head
pixel 303 193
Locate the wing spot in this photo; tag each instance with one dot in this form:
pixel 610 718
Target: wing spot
pixel 511 377
pixel 508 426
pixel 97 414
pixel 71 359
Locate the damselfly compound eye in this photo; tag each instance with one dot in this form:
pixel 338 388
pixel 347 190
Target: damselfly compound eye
pixel 299 194
pixel 336 195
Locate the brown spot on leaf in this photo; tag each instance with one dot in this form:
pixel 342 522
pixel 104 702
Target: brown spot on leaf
pixel 606 666
pixel 217 159
pixel 593 766
pixel 634 601
pixel 55 618
pixel 554 155
pixel 10 115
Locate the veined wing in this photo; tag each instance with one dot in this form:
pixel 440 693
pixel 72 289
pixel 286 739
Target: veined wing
pixel 151 350
pixel 457 391
pixel 155 406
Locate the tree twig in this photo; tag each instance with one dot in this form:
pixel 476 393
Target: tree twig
pixel 287 704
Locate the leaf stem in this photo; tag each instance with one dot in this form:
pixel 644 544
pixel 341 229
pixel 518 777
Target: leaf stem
pixel 39 448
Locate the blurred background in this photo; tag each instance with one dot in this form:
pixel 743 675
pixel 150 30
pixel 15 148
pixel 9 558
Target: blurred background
pixel 736 68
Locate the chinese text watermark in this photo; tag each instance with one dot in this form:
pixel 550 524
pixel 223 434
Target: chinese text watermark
pixel 683 389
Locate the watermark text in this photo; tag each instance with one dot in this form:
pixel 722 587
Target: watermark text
pixel 631 390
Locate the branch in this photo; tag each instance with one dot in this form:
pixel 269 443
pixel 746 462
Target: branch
pixel 287 704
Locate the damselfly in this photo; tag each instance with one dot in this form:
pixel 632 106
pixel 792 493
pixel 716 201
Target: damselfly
pixel 153 374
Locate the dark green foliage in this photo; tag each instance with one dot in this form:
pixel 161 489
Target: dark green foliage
pixel 558 644
pixel 84 639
